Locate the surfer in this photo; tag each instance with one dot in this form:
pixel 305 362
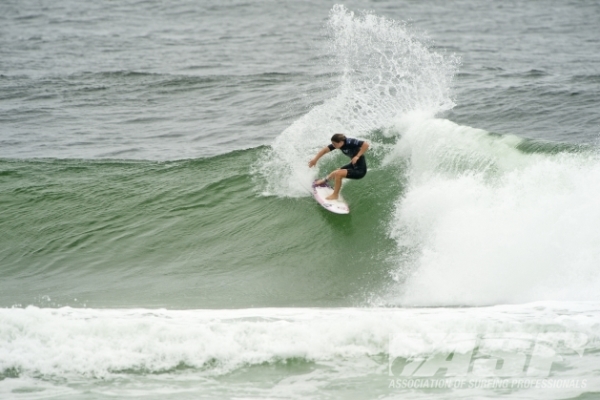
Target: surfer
pixel 357 169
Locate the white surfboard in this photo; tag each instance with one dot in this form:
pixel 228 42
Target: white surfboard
pixel 320 193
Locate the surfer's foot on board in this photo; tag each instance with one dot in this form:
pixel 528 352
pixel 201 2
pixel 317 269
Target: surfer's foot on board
pixel 320 182
pixel 332 197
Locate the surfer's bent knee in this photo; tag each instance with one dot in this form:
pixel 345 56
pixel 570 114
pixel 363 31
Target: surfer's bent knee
pixel 341 172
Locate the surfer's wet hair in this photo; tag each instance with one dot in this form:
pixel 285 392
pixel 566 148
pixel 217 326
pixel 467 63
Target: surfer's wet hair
pixel 338 137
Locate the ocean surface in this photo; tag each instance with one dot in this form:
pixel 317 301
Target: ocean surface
pixel 158 239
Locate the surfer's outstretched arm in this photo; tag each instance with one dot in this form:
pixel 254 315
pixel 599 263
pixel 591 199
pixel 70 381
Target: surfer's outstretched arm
pixel 320 154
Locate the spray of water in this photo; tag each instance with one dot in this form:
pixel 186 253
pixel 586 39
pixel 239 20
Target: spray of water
pixel 384 72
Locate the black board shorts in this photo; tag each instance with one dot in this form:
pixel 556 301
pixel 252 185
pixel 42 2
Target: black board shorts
pixel 355 171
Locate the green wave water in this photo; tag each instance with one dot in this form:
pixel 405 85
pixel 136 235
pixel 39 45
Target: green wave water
pixel 201 234
pixel 191 234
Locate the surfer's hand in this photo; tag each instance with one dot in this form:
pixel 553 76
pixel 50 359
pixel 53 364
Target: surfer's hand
pixel 354 160
pixel 311 163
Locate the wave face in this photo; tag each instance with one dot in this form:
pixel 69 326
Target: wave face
pixel 183 234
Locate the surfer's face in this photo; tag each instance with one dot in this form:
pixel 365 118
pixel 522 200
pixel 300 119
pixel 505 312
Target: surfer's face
pixel 337 145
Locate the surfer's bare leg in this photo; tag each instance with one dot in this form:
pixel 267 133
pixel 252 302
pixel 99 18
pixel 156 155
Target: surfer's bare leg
pixel 338 175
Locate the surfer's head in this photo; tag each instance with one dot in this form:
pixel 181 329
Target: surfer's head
pixel 338 140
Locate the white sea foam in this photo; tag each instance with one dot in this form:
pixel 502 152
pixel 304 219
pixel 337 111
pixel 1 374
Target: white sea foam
pixel 76 344
pixel 485 223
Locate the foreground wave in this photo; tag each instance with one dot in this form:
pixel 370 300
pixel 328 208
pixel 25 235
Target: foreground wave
pixel 307 351
pixel 444 207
